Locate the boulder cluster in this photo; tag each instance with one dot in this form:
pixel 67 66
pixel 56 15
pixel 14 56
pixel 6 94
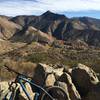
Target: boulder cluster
pixel 79 82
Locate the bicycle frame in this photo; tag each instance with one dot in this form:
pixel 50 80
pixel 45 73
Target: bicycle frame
pixel 21 78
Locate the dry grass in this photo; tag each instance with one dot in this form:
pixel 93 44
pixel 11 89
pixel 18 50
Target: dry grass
pixel 35 53
pixel 26 68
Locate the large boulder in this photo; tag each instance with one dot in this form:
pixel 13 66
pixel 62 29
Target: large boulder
pixel 22 95
pixel 42 70
pixel 84 78
pixel 41 78
pixel 3 89
pixel 40 73
pixel 55 93
pixel 73 93
pixel 94 94
pixel 50 80
pixel 64 86
pixel 58 71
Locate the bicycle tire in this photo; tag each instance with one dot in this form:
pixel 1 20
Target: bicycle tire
pixel 56 92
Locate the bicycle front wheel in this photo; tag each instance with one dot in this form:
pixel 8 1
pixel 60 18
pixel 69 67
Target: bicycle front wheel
pixel 56 92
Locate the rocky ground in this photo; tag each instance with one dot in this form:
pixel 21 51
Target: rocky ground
pixel 79 82
pixel 53 64
pixel 22 56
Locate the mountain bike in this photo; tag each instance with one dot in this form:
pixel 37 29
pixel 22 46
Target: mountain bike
pixel 50 93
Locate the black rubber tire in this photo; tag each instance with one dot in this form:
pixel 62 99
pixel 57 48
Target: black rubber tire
pixel 56 92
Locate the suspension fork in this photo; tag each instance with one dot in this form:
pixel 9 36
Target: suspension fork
pixel 28 96
pixel 24 89
pixel 37 94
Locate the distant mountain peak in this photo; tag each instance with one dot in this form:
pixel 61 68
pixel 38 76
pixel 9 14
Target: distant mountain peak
pixel 50 15
pixel 48 12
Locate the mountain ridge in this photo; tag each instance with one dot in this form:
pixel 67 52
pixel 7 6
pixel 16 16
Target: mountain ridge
pixel 86 29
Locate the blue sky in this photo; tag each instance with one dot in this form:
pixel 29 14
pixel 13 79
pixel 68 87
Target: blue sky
pixel 71 8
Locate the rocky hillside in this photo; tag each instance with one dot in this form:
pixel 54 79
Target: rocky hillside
pixel 8 28
pixel 63 28
pixel 31 34
pixel 85 29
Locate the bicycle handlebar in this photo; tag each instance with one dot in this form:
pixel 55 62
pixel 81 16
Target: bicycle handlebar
pixel 12 70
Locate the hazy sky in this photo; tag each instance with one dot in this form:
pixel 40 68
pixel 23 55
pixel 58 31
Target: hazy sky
pixel 70 8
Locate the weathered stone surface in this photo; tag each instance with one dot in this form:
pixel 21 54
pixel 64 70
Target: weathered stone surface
pixel 50 80
pixel 42 70
pixel 73 93
pixel 22 95
pixel 94 94
pixel 84 78
pixel 3 86
pixel 56 92
pixel 39 74
pixel 64 86
pixel 58 71
pixel 3 89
